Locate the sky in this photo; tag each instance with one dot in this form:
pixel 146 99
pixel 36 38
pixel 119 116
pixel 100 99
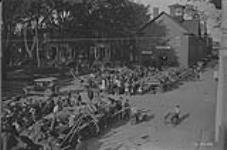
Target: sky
pixel 162 4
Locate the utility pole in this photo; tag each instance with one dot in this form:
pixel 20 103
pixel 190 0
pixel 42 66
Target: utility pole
pixel 1 22
pixel 221 106
pixel 224 53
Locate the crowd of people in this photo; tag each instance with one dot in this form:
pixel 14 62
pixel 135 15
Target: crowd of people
pixel 136 81
pixel 120 81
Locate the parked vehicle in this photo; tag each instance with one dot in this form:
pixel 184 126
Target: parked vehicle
pixel 42 86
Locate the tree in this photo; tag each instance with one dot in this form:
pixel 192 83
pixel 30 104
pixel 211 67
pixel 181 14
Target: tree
pixel 70 19
pixel 36 14
pixel 209 14
pixel 103 19
pixel 10 15
pixel 118 18
pixel 29 18
pixel 112 18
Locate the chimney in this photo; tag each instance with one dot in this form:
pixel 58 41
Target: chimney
pixel 177 11
pixel 155 12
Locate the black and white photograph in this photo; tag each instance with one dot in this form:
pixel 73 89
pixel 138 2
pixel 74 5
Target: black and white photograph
pixel 113 74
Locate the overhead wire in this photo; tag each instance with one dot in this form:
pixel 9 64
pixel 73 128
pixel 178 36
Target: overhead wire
pixel 94 39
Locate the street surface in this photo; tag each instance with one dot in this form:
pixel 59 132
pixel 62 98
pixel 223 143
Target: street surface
pixel 197 101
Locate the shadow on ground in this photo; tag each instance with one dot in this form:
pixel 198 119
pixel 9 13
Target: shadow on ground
pixel 182 118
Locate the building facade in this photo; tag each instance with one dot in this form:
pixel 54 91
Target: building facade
pixel 182 42
pixel 58 52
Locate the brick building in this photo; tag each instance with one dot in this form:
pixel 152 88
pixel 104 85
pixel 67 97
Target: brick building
pixel 182 42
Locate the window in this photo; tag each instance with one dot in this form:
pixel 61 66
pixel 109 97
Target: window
pixel 52 53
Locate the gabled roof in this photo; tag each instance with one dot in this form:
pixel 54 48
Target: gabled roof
pixel 188 26
pixel 161 14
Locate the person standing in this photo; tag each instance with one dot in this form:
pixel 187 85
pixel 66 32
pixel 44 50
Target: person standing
pixel 199 71
pixel 133 115
pixel 140 89
pixel 79 99
pixel 54 116
pixel 118 86
pixel 195 72
pixel 200 74
pixel 103 85
pixel 176 116
pixel 215 75
pixel 126 88
pixel 127 106
pixel 56 108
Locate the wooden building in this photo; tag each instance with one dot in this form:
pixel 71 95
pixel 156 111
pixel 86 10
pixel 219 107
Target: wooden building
pixel 181 42
pixel 58 52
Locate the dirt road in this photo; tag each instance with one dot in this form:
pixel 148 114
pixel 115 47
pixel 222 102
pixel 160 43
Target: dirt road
pixel 197 99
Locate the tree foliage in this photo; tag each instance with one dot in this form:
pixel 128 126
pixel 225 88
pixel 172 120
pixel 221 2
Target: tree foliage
pixel 98 17
pixel 209 13
pixel 21 21
pixel 28 19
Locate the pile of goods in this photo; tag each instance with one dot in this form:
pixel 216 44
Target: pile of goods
pixel 61 119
